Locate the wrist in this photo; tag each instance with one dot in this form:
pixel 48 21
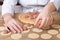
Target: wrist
pixel 7 17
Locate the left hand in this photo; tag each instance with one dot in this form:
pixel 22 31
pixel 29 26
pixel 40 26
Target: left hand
pixel 46 19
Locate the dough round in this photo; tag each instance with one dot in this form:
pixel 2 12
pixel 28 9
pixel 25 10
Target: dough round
pixel 5 34
pixel 58 36
pixel 25 20
pixel 55 26
pixel 46 36
pixel 26 31
pixel 28 17
pixel 28 26
pixel 2 28
pixel 46 27
pixel 33 36
pixel 37 30
pixel 59 29
pixel 53 32
pixel 16 36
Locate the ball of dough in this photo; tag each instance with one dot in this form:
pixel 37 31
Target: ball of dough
pixel 37 30
pixel 33 36
pixel 53 32
pixel 56 26
pixel 58 36
pixel 16 36
pixel 46 36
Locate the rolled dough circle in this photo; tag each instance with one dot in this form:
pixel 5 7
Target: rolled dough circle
pixel 53 32
pixel 2 28
pixel 33 36
pixel 25 20
pixel 58 36
pixel 5 34
pixel 56 26
pixel 26 31
pixel 37 30
pixel 16 36
pixel 59 29
pixel 28 26
pixel 46 36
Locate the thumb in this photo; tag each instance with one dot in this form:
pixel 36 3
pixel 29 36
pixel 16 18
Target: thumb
pixel 6 29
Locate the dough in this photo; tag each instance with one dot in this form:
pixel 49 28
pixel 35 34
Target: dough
pixel 46 36
pixel 2 28
pixel 59 29
pixel 53 32
pixel 28 26
pixel 37 30
pixel 26 31
pixel 55 26
pixel 58 36
pixel 46 27
pixel 24 19
pixel 16 36
pixel 33 36
pixel 5 34
pixel 28 17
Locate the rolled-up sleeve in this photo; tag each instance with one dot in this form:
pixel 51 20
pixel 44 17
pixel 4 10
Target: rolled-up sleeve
pixel 51 0
pixel 57 4
pixel 8 6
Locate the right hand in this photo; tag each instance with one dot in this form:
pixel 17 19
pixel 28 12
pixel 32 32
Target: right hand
pixel 12 25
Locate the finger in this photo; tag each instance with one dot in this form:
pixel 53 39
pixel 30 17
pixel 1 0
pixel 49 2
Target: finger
pixel 11 29
pixel 36 21
pixel 17 24
pixel 47 22
pixel 15 28
pixel 51 20
pixel 6 28
pixel 42 23
pixel 24 28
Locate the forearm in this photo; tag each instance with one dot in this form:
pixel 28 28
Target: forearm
pixel 49 8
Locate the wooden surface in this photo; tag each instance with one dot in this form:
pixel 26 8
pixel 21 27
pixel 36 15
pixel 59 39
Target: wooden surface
pixel 56 17
pixel 25 36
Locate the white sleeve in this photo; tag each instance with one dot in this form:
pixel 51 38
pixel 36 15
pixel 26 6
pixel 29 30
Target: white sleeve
pixel 51 0
pixel 57 4
pixel 8 6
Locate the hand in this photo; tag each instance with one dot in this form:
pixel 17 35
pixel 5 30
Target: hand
pixel 12 25
pixel 46 20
